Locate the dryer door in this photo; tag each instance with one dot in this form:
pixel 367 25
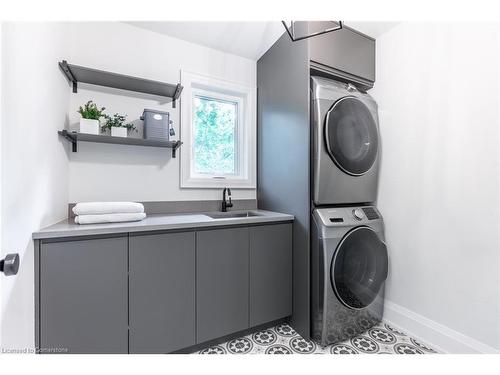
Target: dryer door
pixel 359 267
pixel 351 136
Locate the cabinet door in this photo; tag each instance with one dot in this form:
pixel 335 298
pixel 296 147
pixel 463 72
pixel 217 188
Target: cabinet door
pixel 83 296
pixel 221 282
pixel 162 292
pixel 345 50
pixel 270 273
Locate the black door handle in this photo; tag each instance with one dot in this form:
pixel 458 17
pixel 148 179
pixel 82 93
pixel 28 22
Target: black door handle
pixel 10 265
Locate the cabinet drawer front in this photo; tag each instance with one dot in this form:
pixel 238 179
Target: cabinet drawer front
pixel 270 273
pixel 162 292
pixel 221 282
pixel 83 296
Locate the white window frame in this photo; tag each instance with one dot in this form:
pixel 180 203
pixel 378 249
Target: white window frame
pixel 245 159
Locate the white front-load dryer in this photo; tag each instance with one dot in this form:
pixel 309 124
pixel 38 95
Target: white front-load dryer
pixel 345 143
pixel 349 268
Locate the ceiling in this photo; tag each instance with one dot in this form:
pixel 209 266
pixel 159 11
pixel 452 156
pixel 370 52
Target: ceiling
pixel 373 29
pixel 245 39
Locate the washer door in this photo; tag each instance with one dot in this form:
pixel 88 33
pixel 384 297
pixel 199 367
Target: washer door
pixel 359 267
pixel 351 136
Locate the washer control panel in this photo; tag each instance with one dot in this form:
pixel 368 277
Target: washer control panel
pixel 343 216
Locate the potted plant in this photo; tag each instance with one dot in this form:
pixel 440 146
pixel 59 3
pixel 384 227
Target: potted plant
pixel 117 125
pixel 89 123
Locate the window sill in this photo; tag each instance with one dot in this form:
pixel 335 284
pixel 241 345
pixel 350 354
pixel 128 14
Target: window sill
pixel 217 183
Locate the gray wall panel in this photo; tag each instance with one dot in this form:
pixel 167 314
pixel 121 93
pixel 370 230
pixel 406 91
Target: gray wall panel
pixel 283 155
pixel 176 207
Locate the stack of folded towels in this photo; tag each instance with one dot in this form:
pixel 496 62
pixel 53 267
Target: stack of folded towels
pixel 108 212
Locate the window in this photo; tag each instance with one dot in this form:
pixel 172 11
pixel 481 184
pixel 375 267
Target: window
pixel 215 123
pixel 218 131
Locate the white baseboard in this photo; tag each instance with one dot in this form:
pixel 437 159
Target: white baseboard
pixel 442 338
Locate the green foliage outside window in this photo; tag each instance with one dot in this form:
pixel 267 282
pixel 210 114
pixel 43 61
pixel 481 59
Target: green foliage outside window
pixel 214 126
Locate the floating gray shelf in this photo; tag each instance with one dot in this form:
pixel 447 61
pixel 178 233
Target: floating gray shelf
pixel 74 138
pixel 76 74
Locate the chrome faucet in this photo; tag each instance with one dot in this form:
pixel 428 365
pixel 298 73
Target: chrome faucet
pixel 226 205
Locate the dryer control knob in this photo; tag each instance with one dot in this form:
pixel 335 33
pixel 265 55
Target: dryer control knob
pixel 350 87
pixel 357 213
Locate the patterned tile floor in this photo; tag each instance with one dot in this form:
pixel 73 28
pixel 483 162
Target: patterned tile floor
pixel 282 339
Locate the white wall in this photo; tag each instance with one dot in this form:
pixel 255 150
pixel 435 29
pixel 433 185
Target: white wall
pixel 438 93
pixel 34 161
pixel 1 127
pixel 114 172
pixel 39 174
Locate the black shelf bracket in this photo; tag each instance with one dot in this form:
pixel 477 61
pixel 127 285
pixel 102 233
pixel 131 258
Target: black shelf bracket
pixel 69 75
pixel 175 147
pixel 177 94
pixel 74 143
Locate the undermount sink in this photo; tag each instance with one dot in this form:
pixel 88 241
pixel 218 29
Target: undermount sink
pixel 228 215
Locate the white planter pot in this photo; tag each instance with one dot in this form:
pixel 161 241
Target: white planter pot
pixel 89 126
pixel 118 132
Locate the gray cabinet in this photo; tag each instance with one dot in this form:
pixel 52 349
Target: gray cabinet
pixel 161 292
pixel 83 296
pixel 347 51
pixel 221 282
pixel 270 273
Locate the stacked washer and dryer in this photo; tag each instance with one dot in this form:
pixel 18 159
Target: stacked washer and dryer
pixel 348 255
pixel 318 154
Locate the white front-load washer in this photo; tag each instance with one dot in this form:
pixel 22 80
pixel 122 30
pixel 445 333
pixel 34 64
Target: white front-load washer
pixel 345 143
pixel 349 269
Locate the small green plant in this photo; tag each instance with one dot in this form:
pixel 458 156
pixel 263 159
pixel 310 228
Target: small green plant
pixel 91 111
pixel 117 121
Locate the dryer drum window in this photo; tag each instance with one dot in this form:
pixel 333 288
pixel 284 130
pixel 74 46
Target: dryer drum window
pixel 359 267
pixel 351 136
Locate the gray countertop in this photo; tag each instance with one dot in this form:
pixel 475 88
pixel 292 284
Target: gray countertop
pixel 68 228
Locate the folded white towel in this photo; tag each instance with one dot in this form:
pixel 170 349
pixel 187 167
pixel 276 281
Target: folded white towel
pixel 109 218
pixel 96 208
